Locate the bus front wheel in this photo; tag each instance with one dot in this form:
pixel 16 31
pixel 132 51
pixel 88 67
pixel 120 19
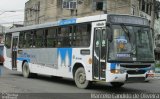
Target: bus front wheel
pixel 80 78
pixel 26 71
pixel 117 84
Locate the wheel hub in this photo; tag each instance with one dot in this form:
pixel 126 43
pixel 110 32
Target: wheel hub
pixel 82 78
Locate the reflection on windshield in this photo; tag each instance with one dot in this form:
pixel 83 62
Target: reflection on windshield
pixel 144 47
pixel 130 44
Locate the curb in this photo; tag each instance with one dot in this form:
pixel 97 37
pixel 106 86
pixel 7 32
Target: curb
pixel 157 74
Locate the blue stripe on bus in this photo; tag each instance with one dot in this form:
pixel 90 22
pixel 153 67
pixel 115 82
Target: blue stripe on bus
pixel 22 59
pixel 113 66
pixel 69 21
pixel 62 52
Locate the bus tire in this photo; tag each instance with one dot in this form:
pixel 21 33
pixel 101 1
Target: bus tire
pixel 26 71
pixel 80 78
pixel 117 84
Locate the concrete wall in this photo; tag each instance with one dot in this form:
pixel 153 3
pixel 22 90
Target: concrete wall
pixel 51 10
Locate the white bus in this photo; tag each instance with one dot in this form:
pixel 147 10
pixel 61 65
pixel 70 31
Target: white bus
pixel 107 48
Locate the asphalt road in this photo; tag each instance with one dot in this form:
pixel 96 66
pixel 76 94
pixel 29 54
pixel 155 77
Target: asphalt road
pixel 45 87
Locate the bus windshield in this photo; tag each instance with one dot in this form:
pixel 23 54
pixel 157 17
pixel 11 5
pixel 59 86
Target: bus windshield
pixel 131 43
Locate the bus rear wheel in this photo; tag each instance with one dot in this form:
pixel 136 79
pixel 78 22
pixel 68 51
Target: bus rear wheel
pixel 26 71
pixel 80 78
pixel 117 84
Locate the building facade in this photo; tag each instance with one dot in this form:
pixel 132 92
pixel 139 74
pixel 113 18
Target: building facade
pixel 42 11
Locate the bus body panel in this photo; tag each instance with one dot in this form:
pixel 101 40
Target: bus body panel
pixel 79 57
pixel 61 61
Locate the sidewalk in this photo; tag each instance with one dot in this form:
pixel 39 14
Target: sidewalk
pixel 157 76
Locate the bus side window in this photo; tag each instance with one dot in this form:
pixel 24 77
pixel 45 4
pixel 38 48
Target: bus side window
pixel 65 36
pixel 28 43
pixel 39 38
pixel 34 39
pixel 8 38
pixel 22 40
pixel 45 37
pixel 51 37
pixel 82 35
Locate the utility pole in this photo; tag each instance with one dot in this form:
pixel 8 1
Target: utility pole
pixel 153 14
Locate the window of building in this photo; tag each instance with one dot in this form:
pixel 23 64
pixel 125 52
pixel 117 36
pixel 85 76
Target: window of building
pixel 59 3
pixel 133 10
pixel 8 39
pixel 143 5
pixel 69 4
pixel 99 5
pixel 146 6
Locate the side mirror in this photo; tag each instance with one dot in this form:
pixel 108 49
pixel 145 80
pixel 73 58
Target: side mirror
pixel 109 32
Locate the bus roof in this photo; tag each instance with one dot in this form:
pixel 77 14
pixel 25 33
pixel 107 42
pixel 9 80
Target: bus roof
pixel 59 23
pixel 66 22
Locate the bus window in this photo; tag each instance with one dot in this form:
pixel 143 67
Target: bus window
pixel 22 40
pixel 28 43
pixel 82 35
pixel 51 36
pixel 59 37
pixel 8 39
pixel 39 38
pixel 33 38
pixel 65 37
pixel 45 37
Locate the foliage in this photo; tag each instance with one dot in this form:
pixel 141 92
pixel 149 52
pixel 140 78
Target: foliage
pixel 157 65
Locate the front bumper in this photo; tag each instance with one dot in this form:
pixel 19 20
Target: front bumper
pixel 149 76
pixel 115 77
pixel 140 77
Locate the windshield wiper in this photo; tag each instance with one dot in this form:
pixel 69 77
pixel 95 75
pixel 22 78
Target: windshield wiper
pixel 126 31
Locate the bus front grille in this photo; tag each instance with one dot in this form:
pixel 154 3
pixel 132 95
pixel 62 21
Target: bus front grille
pixel 136 72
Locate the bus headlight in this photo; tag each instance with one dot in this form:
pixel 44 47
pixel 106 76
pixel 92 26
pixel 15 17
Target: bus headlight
pixel 115 71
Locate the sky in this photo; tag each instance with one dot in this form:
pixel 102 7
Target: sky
pixel 11 17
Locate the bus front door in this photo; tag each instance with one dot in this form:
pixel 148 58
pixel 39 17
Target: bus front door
pixel 99 54
pixel 14 53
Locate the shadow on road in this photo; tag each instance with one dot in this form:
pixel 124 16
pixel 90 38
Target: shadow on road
pixel 98 87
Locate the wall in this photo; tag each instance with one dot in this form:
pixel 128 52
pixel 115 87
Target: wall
pixel 41 11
